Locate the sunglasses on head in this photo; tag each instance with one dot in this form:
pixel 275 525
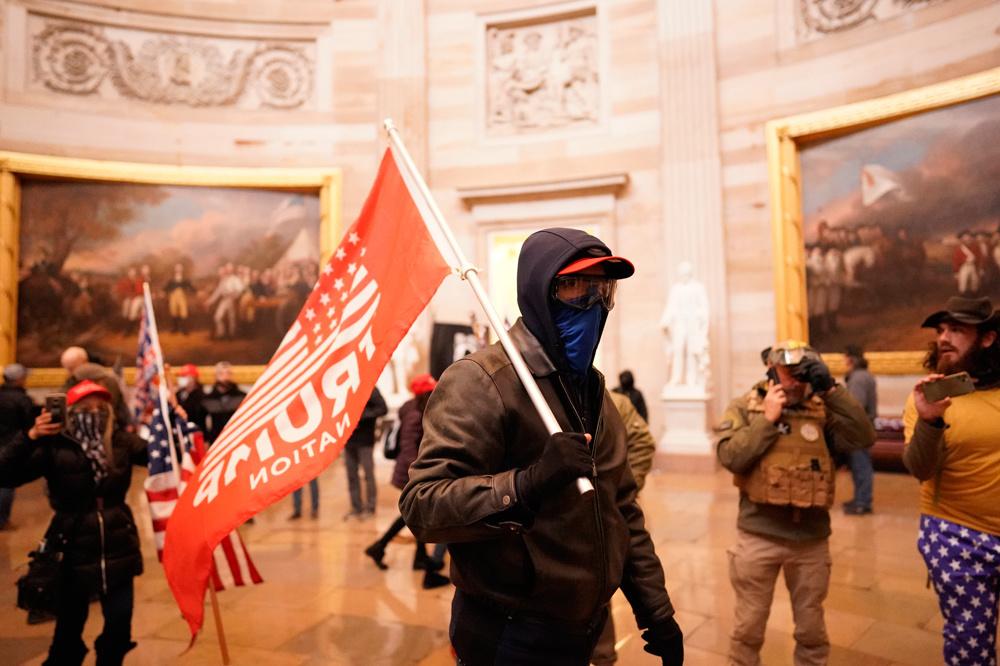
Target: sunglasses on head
pixel 584 291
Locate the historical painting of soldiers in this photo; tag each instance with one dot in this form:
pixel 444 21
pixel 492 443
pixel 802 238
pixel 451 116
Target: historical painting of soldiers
pixel 897 216
pixel 228 269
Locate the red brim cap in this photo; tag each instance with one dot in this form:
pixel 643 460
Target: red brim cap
pixel 85 388
pixel 617 268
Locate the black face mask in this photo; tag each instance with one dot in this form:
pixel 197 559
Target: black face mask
pixel 224 387
pixel 88 426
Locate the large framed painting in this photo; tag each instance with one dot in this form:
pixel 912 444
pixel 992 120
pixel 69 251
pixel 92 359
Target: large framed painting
pixel 881 211
pixel 230 255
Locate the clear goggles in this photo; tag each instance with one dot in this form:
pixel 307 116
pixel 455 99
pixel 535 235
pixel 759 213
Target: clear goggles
pixel 584 291
pixel 790 357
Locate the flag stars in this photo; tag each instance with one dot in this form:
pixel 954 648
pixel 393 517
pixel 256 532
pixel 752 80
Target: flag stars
pixel 324 299
pixel 340 254
pixel 338 284
pixel 352 268
pixel 330 311
pixel 316 328
pixel 154 454
pixel 353 238
pixel 310 314
pixel 343 296
pixel 364 251
pixel 318 339
pixel 327 269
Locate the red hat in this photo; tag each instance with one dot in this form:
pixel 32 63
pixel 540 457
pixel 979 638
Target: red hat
pixel 189 370
pixel 85 388
pixel 616 268
pixel 422 384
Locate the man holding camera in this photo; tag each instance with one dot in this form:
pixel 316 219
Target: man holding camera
pixel 953 447
pixel 776 440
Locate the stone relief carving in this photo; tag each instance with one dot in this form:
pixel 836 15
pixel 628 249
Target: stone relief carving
pixel 542 75
pixel 84 59
pixel 817 18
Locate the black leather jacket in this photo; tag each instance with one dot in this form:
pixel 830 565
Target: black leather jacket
pixel 565 561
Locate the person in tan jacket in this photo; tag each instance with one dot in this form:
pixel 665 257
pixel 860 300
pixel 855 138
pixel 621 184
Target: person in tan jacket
pixel 776 440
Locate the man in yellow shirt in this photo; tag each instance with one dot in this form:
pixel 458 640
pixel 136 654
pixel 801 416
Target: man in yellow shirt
pixel 953 447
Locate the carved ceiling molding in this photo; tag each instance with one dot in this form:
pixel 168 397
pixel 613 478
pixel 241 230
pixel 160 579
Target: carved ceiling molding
pixel 818 18
pixel 86 59
pixel 542 72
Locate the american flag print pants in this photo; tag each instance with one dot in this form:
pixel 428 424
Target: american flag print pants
pixel 964 565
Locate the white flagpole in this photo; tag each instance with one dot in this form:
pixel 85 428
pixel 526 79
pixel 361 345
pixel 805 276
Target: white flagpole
pixel 164 407
pixel 470 274
pixel 168 423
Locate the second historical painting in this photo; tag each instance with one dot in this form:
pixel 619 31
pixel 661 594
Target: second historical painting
pixel 897 218
pixel 228 268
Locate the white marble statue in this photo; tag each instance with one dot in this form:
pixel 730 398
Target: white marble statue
pixel 685 324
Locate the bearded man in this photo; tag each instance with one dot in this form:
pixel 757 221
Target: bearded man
pixel 953 447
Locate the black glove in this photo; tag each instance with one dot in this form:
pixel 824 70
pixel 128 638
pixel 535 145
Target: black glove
pixel 564 459
pixel 815 372
pixel 665 640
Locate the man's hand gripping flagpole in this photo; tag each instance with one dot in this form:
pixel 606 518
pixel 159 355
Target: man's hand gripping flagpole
pixel 470 274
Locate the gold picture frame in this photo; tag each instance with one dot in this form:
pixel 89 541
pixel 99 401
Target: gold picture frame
pixel 785 138
pixel 15 167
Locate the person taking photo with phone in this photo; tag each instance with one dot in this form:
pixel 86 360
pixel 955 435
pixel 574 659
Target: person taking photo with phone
pixel 86 461
pixel 777 441
pixel 953 447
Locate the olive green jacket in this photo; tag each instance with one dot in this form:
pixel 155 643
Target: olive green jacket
pixel 638 440
pixel 745 436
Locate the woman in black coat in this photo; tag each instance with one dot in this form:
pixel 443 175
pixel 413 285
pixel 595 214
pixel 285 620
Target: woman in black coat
pixel 87 465
pixel 411 431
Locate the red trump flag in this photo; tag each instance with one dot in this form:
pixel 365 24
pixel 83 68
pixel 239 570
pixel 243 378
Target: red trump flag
pixel 297 417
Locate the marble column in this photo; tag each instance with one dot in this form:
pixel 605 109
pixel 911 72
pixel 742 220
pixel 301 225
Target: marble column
pixel 691 186
pixel 402 74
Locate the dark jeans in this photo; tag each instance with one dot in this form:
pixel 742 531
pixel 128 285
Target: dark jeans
pixel 6 503
pixel 354 454
pixel 483 635
pixel 313 498
pixel 115 641
pixel 864 477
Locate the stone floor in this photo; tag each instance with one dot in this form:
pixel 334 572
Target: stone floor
pixel 324 602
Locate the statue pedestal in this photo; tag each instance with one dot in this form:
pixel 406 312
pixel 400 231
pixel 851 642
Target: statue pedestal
pixel 687 444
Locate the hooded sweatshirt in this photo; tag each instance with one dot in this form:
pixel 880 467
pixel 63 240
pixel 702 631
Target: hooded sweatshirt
pixel 544 253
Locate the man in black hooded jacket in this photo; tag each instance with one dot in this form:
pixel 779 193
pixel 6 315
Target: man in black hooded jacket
pixel 534 561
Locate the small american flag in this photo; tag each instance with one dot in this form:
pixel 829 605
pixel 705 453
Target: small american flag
pixel 144 399
pixel 163 486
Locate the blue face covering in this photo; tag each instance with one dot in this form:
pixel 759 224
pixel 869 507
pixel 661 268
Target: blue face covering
pixel 580 331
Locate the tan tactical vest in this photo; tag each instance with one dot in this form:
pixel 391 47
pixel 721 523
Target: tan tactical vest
pixel 797 470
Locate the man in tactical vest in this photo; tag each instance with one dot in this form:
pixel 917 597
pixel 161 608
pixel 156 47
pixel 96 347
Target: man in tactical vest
pixel 776 441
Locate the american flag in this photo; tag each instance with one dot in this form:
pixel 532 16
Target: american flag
pixel 163 487
pixel 144 396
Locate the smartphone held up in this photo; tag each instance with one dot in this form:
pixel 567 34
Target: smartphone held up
pixel 951 386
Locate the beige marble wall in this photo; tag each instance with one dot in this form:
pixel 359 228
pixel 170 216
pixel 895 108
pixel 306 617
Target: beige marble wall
pixel 466 152
pixel 334 124
pixel 430 65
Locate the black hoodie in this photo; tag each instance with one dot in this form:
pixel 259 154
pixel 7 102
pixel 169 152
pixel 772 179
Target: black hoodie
pixel 543 254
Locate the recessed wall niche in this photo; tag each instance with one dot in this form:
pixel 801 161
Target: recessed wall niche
pixel 542 71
